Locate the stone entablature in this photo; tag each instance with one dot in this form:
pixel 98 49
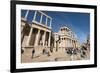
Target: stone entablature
pixel 47 21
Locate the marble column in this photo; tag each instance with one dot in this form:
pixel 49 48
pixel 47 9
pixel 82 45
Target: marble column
pixel 41 18
pixel 37 38
pixel 67 42
pixel 75 44
pixel 34 16
pixel 46 21
pixel 22 27
pixel 49 39
pixel 26 14
pixel 71 43
pixel 43 39
pixel 29 37
pixel 50 23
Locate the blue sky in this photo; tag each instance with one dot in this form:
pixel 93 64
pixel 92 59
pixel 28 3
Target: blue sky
pixel 77 22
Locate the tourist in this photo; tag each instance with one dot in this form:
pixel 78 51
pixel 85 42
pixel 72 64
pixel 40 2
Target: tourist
pixel 33 52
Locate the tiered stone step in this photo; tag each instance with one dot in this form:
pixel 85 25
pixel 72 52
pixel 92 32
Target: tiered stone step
pixel 39 56
pixel 27 55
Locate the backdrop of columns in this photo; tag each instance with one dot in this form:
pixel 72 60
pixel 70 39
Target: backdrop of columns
pixel 37 35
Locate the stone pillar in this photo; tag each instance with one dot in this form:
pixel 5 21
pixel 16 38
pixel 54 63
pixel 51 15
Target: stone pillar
pixel 67 43
pixel 50 23
pixel 22 28
pixel 29 37
pixel 41 18
pixel 34 16
pixel 22 33
pixel 71 43
pixel 49 39
pixel 43 39
pixel 46 21
pixel 26 14
pixel 75 44
pixel 54 43
pixel 37 38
